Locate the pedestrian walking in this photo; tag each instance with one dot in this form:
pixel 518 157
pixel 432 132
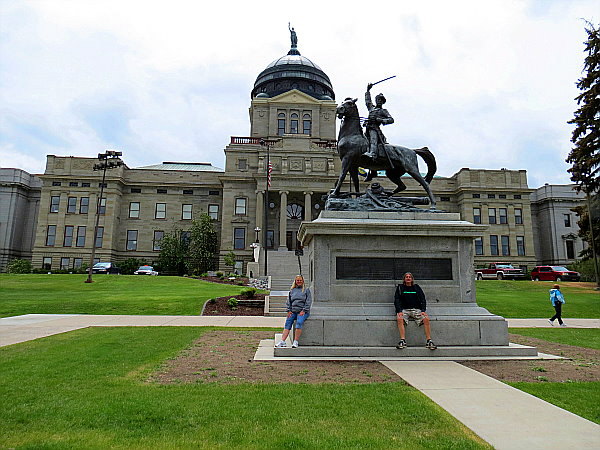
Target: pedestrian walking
pixel 557 299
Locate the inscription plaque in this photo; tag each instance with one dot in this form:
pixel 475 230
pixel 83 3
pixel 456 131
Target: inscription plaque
pixel 351 268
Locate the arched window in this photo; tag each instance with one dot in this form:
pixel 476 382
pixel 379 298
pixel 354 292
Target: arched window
pixel 306 124
pixel 280 124
pixel 294 123
pixel 295 211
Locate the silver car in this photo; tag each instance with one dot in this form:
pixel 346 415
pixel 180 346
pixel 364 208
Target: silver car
pixel 145 270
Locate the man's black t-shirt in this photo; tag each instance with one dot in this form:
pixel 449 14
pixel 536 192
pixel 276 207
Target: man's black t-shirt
pixel 409 297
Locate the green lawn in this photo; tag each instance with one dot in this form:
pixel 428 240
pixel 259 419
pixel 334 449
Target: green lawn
pixel 531 299
pixel 109 294
pixel 86 389
pixel 581 337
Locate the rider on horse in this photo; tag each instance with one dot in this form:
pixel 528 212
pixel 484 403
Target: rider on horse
pixel 377 116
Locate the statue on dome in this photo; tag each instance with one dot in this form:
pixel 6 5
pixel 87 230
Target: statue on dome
pixel 293 36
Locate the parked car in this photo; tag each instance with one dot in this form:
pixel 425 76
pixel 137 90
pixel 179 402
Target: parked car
pixel 106 267
pixel 554 273
pixel 499 271
pixel 145 270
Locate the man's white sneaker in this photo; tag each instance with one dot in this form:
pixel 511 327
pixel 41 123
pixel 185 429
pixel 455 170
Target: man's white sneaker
pixel 563 325
pixel 281 344
pixel 295 344
pixel 551 323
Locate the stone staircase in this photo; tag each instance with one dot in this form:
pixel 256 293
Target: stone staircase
pixel 283 267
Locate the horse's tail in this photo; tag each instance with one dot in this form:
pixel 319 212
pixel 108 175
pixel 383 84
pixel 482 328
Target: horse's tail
pixel 429 159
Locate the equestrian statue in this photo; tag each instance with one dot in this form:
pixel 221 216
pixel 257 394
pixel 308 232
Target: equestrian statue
pixel 373 152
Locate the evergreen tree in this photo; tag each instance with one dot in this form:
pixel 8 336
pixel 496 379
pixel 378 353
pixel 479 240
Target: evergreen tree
pixel 173 253
pixel 583 222
pixel 203 245
pixel 585 155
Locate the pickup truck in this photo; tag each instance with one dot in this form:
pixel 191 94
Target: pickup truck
pixel 499 271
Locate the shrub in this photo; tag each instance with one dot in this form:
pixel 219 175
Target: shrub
pixel 220 274
pixel 130 265
pixel 232 302
pixel 586 268
pixel 248 293
pixel 204 274
pixel 19 266
pixel 240 283
pixel 212 300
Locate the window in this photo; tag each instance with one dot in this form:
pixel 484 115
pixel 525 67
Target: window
pixel 518 216
pixel 56 183
pixel 492 215
pixel 502 196
pixel 102 185
pixel 71 205
pixel 188 192
pixel 132 236
pixel 295 211
pixel 136 191
pixel 84 185
pixel 161 191
pixel 568 220
pixel 84 204
pixel 160 211
pixel 213 192
pixel 479 246
pixel 51 235
pixel 306 124
pixel 494 245
pixel 476 215
pixel 280 124
pixel 134 210
pixel 570 249
pixel 47 263
pixel 505 246
pixel 521 245
pixel 270 239
pixel 158 235
pixel 517 196
pixel 64 263
pixel 491 195
pixel 186 212
pixel 73 183
pixel 444 199
pixel 238 267
pixel 77 263
pixel 503 217
pixel 294 123
pixel 239 238
pixel 68 237
pixel 80 242
pixel 54 202
pixel 476 196
pixel 99 237
pixel 240 206
pixel 102 208
pixel 242 164
pixel 213 212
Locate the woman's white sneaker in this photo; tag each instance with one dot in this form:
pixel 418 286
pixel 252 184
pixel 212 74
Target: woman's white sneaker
pixel 295 344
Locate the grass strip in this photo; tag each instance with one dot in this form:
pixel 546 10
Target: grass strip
pixel 580 337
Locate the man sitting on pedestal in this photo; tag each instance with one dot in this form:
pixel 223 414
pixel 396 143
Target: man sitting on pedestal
pixel 410 304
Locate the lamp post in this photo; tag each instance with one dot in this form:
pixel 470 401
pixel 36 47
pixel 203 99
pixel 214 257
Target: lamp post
pixel 257 231
pixel 108 160
pixel 265 143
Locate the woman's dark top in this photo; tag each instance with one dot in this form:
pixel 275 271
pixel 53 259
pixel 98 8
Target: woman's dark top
pixel 409 297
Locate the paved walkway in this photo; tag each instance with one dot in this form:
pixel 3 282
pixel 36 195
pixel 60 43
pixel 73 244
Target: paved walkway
pixel 503 416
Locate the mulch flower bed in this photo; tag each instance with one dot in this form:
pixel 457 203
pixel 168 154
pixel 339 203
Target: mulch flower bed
pixel 241 281
pixel 221 308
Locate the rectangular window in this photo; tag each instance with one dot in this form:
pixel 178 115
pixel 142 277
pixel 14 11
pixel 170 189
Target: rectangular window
pixel 521 245
pixel 132 236
pixel 492 215
pixel 102 208
pixel 479 246
pixel 294 126
pixel 104 185
pixel 239 238
pixel 476 195
pixel 68 238
pixel 518 216
pixel 186 212
pixel 517 196
pixel 80 242
pixel 240 206
pixel 494 245
pixel 161 191
pixel 213 212
pixel 56 183
pixel 99 237
pixel 51 235
pixel 77 263
pixel 502 196
pixel 213 192
pixel 47 263
pixel 568 220
pixel 54 202
pixel 570 249
pixel 505 246
pixel 73 183
pixel 280 127
pixel 476 215
pixel 188 192
pixel 243 164
pixel 491 195
pixel 134 210
pixel 270 239
pixel 85 185
pixel 444 199
pixel 158 235
pixel 84 204
pixel 306 126
pixel 160 211
pixel 64 263
pixel 136 191
pixel 503 217
pixel 71 205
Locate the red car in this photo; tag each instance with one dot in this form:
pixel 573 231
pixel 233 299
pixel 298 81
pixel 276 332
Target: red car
pixel 554 273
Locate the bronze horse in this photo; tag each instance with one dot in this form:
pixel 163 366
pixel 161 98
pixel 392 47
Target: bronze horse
pixel 352 144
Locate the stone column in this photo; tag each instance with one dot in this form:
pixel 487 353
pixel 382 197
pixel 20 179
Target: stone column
pixel 260 211
pixel 283 220
pixel 308 206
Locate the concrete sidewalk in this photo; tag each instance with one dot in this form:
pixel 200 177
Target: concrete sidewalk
pixel 505 417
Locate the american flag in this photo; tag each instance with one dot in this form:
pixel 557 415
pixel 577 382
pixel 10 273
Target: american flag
pixel 269 170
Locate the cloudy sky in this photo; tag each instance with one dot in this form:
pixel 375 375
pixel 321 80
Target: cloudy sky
pixel 484 84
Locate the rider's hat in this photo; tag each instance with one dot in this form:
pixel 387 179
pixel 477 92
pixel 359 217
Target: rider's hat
pixel 382 97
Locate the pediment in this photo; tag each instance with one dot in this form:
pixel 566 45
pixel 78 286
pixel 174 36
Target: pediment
pixel 295 96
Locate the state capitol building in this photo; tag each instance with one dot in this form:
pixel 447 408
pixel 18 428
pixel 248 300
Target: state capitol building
pixel 50 218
